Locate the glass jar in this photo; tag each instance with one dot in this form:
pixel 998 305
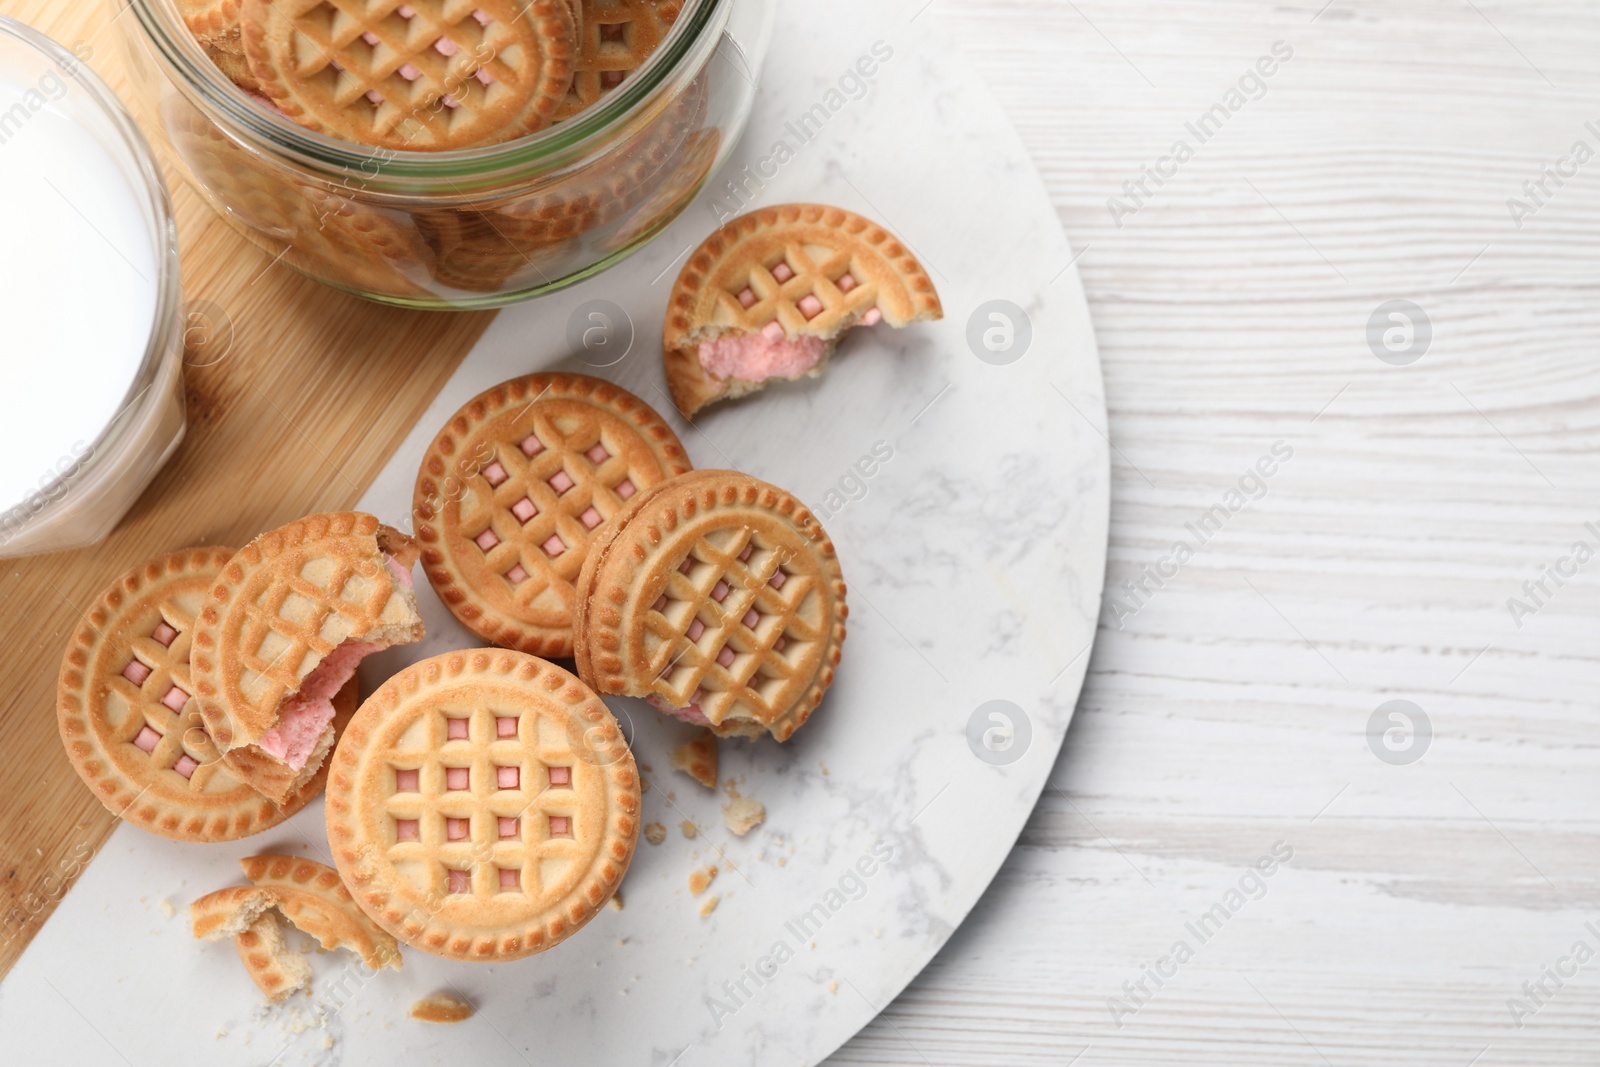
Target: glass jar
pixel 480 227
pixel 93 357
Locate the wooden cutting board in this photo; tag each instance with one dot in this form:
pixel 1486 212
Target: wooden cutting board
pixel 314 394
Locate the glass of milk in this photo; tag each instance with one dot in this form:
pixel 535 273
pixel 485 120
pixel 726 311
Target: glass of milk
pixel 91 353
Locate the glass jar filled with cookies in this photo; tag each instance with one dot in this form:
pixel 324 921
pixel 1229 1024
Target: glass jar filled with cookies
pixel 448 153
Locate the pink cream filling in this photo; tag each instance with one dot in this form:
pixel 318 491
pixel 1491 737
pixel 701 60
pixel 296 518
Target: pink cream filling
pixel 691 714
pixel 305 715
pixel 753 357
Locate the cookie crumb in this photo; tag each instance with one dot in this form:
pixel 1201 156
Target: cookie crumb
pixel 441 1008
pixel 688 829
pixel 783 861
pixel 327 1041
pixel 167 908
pixel 824 767
pixel 615 903
pixel 709 906
pixel 700 881
pixel 646 768
pixel 222 1032
pixel 697 758
pixel 655 833
pixel 833 987
pixel 744 814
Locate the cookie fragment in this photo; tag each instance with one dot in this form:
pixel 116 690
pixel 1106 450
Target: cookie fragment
pixel 245 913
pixel 700 880
pixel 312 896
pixel 697 758
pixel 743 814
pixel 277 970
pixel 441 1008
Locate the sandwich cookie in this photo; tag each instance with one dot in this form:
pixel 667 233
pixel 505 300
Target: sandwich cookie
pixel 768 295
pixel 614 40
pixel 128 719
pixel 412 75
pixel 287 623
pixel 719 599
pixel 326 234
pixel 482 805
pixel 515 488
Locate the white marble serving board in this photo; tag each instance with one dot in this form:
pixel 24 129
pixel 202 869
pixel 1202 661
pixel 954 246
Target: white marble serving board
pixel 974 555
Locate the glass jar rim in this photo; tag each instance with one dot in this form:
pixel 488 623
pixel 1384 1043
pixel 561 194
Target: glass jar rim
pixel 164 237
pixel 556 145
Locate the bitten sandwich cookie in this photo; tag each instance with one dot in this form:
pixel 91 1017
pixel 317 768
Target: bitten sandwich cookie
pixel 482 805
pixel 419 75
pixel 718 598
pixel 288 621
pixel 130 724
pixel 517 485
pixel 769 294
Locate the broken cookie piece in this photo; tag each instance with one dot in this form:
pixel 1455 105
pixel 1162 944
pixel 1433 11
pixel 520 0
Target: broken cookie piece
pixel 698 758
pixel 301 890
pixel 743 814
pixel 441 1008
pixel 245 913
pixel 314 898
pixel 700 881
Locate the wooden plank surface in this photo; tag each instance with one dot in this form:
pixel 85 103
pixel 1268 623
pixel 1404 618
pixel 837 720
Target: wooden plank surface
pixel 1229 712
pixel 310 400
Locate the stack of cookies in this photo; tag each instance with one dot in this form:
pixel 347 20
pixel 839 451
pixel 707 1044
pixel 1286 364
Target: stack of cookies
pixel 428 75
pixel 439 75
pixel 558 514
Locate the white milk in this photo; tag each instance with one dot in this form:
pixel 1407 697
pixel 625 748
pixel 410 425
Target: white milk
pixel 78 286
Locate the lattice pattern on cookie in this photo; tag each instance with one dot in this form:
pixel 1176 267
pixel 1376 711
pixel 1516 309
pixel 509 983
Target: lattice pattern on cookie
pixel 155 685
pixel 422 73
pixel 128 722
pixel 548 491
pixel 808 287
pixel 730 624
pixel 305 614
pixel 487 803
pixel 615 39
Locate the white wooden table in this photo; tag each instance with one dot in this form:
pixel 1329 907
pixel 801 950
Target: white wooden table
pixel 1229 712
